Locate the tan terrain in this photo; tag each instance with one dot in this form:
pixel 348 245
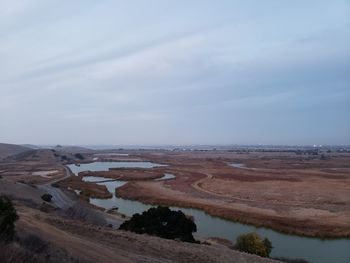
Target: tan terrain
pixel 11 149
pixel 303 193
pixel 95 244
pixel 300 194
pixel 69 230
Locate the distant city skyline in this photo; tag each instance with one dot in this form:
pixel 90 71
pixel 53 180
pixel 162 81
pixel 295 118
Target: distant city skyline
pixel 175 72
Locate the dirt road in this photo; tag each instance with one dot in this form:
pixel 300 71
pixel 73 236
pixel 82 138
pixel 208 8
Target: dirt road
pixel 63 201
pixel 59 198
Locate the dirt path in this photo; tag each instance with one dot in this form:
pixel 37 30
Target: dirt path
pixel 64 201
pixel 59 198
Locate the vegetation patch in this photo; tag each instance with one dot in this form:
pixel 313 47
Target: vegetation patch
pixel 46 197
pixel 79 211
pixel 8 216
pixel 162 222
pixel 252 243
pixel 79 156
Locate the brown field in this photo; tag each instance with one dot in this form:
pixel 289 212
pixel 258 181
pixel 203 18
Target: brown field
pixel 47 233
pixel 289 192
pixel 32 167
pixel 300 194
pixel 87 189
pixel 128 174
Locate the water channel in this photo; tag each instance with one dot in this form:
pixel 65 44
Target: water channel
pixel 312 249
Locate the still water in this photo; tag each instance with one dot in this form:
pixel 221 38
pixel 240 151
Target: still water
pixel 312 249
pixel 105 166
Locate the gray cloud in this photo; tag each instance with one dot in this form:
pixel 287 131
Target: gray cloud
pixel 138 73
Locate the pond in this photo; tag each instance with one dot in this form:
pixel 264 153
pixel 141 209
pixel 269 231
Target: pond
pixel 238 165
pixel 105 166
pixel 166 176
pixel 312 249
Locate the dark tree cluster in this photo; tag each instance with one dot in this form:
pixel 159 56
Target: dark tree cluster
pixel 162 222
pixel 46 197
pixel 8 216
pixel 79 156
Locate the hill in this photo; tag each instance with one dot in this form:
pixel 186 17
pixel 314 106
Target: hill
pixel 72 149
pixel 35 147
pixel 11 149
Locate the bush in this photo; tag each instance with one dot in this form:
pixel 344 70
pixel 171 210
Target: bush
pixel 162 222
pixel 252 243
pixel 79 156
pixel 34 243
pixel 80 211
pixel 14 253
pixel 268 246
pixel 46 197
pixel 8 216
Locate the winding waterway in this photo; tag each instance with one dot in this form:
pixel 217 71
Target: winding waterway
pixel 312 249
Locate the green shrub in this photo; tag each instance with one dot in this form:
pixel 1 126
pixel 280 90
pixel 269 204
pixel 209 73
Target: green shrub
pixel 46 197
pixel 268 246
pixel 252 243
pixel 162 222
pixel 8 216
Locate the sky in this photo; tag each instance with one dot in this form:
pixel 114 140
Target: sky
pixel 143 72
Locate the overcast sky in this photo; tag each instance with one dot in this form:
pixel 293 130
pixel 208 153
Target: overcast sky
pixel 175 72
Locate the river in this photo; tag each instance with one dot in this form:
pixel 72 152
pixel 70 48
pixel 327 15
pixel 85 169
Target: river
pixel 314 250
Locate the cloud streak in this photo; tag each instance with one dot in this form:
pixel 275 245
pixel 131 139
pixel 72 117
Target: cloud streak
pixel 155 73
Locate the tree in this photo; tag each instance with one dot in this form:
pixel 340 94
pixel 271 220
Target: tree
pixel 46 197
pixel 8 216
pixel 79 156
pixel 252 243
pixel 162 222
pixel 268 246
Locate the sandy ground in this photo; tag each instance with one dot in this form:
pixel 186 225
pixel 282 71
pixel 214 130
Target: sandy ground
pixel 46 174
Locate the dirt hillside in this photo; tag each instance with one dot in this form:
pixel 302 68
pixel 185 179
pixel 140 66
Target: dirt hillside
pixel 11 149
